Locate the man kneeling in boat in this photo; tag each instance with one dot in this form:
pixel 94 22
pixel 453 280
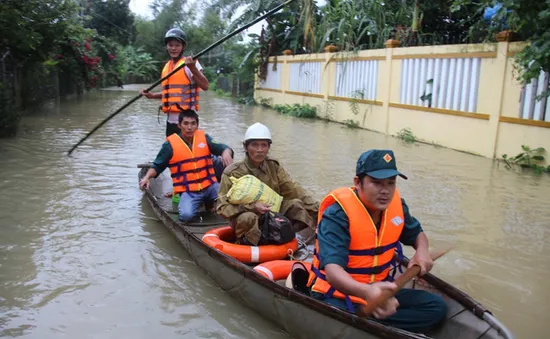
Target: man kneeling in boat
pixel 298 206
pixel 360 229
pixel 188 154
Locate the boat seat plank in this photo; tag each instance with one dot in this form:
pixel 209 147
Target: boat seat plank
pixel 463 325
pixel 453 307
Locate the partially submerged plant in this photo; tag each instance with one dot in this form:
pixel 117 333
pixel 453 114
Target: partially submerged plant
pixel 351 123
pixel 296 110
pixel 406 135
pixel 354 103
pixel 529 158
pixel 266 102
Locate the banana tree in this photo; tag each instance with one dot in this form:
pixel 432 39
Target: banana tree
pixel 357 24
pixel 290 28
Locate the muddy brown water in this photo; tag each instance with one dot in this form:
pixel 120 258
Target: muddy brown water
pixel 82 255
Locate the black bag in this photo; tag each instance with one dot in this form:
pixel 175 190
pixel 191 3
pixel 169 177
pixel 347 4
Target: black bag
pixel 276 229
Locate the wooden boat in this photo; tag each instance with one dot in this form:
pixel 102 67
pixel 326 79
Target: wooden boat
pixel 298 314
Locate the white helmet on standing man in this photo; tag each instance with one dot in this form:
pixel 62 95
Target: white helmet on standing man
pixel 257 131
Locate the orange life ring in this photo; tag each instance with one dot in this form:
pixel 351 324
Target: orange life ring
pixel 278 269
pixel 219 238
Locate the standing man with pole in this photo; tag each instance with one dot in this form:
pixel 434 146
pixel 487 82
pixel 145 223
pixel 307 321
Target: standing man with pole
pixel 181 90
pixel 175 70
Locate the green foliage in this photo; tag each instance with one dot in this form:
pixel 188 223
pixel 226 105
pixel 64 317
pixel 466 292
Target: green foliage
pixel 528 158
pixel 351 123
pixel 246 100
pixel 53 33
pixel 77 42
pixel 290 28
pixel 210 28
pixel 32 29
pixel 529 19
pixel 150 38
pixel 351 25
pixel 366 24
pixel 354 104
pixel 37 80
pixel 406 135
pixel 9 115
pixel 78 55
pixel 265 102
pixel 328 110
pixel 355 25
pixel 232 58
pixel 300 111
pixel 134 61
pixel 111 18
pixel 222 93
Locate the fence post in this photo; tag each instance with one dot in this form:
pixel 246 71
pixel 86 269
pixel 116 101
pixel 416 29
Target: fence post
pixel 284 77
pixel 503 40
pixel 386 93
pixel 327 77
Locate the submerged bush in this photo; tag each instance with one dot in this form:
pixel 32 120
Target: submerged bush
pixel 296 110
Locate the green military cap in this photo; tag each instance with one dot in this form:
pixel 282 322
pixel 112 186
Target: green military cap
pixel 379 164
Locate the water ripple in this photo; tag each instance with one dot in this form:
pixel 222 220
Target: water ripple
pixel 83 255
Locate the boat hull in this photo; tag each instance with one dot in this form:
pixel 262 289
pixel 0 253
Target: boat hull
pixel 300 315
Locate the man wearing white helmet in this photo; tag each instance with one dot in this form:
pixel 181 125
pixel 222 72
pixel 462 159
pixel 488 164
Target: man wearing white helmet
pixel 298 206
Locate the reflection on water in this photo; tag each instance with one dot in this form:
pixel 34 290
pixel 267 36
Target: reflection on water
pixel 83 255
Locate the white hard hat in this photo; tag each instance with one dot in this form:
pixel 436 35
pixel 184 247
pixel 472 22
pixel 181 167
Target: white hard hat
pixel 257 131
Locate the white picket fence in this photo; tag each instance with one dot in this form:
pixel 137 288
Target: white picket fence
pixel 357 79
pixel 445 83
pixel 532 105
pixel 441 83
pixel 305 77
pixel 273 78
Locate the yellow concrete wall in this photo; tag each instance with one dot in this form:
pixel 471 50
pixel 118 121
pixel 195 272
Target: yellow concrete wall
pixel 292 99
pixel 444 49
pixel 276 98
pixel 455 132
pixel 512 136
pixel 495 128
pixel 514 132
pixel 512 91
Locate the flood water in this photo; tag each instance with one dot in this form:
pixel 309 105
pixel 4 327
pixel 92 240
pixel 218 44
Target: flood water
pixel 83 256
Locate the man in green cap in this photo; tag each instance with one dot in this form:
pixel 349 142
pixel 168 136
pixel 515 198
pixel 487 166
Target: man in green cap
pixel 359 231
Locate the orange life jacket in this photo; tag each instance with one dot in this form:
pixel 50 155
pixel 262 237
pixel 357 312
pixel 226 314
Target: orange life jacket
pixel 192 170
pixel 371 251
pixel 178 89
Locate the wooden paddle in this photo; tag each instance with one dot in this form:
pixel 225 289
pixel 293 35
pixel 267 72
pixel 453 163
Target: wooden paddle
pixel 401 281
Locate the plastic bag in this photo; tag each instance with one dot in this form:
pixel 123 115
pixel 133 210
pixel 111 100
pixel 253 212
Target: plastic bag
pixel 249 189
